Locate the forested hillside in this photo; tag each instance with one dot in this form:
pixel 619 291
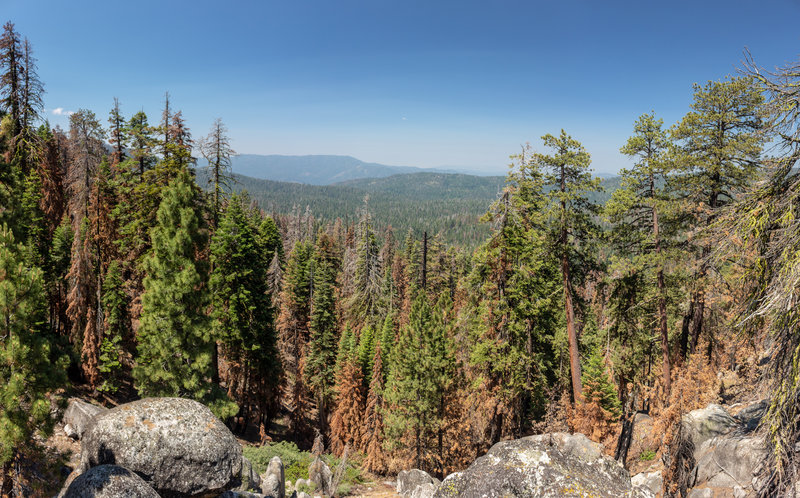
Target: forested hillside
pixel 419 345
pixel 450 205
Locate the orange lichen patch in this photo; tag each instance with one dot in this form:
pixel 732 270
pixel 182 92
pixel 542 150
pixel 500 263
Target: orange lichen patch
pixel 130 421
pixel 149 424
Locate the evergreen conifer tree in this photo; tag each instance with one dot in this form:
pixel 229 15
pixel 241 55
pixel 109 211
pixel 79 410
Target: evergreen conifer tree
pixel 28 365
pixel 175 335
pixel 242 313
pixel 320 370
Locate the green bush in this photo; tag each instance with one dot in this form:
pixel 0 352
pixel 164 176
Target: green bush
pixel 297 462
pixel 647 455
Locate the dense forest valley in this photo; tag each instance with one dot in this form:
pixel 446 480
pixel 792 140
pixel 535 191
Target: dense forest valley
pixel 537 304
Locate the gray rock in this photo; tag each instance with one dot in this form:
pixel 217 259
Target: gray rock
pixel 751 415
pixel 177 445
pixel 241 494
pixel 320 474
pixel 273 483
pixel 304 483
pixel 708 422
pixel 653 481
pixel 248 477
pixel 726 462
pixel 409 480
pixel 545 466
pixel 109 481
pixel 700 493
pixel 426 490
pixel 78 416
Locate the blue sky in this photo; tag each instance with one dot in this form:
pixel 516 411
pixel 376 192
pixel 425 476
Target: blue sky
pixel 418 83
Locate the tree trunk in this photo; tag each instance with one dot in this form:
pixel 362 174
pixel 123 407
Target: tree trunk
pixel 662 309
pixel 8 480
pixel 574 357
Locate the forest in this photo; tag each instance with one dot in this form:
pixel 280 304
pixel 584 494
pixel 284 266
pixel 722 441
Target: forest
pixel 122 277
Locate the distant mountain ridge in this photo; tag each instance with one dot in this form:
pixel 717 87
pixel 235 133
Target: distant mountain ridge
pixel 319 169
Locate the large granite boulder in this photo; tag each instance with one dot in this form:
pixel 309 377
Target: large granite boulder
pixel 409 480
pixel 78 416
pixel 730 462
pixel 545 466
pixel 109 481
pixel 177 445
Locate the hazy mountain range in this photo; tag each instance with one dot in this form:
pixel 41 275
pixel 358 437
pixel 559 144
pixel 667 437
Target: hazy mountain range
pixel 321 169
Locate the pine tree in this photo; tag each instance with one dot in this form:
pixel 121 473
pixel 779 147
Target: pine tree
pixel 720 142
pixel 28 366
pixel 117 327
pixel 599 387
pixel 320 367
pixel 118 133
pixel 513 307
pixel 175 335
pixel 347 422
pixel 216 149
pixel 421 372
pixel 372 441
pixel 365 302
pixel 643 212
pixel 242 313
pixel 366 350
pixel 292 325
pixel 140 135
pixel 573 229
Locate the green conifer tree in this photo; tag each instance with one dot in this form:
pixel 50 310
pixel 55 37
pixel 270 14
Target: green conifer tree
pixel 175 335
pixel 28 366
pixel 117 328
pixel 242 313
pixel 320 370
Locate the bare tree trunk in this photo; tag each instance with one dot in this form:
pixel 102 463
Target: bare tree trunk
pixel 662 305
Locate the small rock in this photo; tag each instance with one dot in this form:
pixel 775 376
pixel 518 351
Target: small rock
pixel 320 474
pixel 303 483
pixel 273 483
pixel 241 494
pixel 109 481
pixel 78 416
pixel 248 477
pixel 408 480
pixel 426 490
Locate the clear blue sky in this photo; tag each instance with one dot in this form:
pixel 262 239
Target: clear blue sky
pixel 419 83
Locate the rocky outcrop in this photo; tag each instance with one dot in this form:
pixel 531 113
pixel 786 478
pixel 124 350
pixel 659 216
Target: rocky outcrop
pixel 549 465
pixel 177 445
pixel 321 476
pixel 109 481
pixel 78 416
pixel 409 480
pixel 728 455
pixel 273 483
pixel 706 423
